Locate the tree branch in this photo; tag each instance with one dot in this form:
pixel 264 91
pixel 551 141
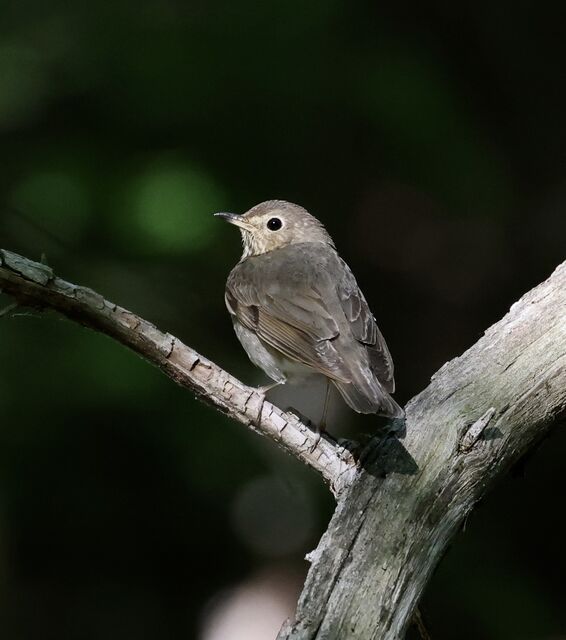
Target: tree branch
pixel 398 509
pixel 34 285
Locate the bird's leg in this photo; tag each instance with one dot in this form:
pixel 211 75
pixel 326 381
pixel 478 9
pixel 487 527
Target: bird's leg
pixel 267 387
pixel 321 426
pixel 322 423
pixel 262 391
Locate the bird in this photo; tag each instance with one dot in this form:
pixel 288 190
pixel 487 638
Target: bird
pixel 298 311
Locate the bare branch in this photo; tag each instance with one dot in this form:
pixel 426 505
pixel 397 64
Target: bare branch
pixel 34 284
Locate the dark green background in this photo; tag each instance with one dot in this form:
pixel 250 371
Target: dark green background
pixel 430 138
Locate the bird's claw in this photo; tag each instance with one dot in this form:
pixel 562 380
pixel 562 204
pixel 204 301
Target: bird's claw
pixel 317 438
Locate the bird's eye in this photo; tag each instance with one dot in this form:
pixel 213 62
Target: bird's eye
pixel 273 224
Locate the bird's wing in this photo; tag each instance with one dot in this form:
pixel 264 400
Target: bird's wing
pixel 287 313
pixel 364 327
pixel 299 301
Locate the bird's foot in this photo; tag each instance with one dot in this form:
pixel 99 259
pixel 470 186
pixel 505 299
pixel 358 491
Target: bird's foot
pixel 267 387
pixel 317 437
pixel 318 429
pixel 262 391
pixel 395 427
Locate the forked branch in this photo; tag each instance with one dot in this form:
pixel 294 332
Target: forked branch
pixel 401 505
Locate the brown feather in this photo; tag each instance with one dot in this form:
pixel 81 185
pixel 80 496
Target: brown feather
pixel 278 296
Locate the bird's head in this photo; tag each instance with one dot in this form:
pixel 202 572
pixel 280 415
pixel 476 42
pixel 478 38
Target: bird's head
pixel 275 224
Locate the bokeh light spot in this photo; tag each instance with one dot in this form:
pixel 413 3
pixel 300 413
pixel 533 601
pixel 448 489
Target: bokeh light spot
pixel 272 519
pixel 169 208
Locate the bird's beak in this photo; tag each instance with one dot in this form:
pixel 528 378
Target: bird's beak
pixel 234 218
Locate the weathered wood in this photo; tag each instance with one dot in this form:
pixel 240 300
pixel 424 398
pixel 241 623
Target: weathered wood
pixel 480 413
pixel 400 506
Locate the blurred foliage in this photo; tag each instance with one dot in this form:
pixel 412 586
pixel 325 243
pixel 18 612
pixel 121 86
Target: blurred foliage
pixel 430 139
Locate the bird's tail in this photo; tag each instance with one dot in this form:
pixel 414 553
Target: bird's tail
pixel 368 396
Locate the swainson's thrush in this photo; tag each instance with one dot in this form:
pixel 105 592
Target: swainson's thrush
pixel 297 308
